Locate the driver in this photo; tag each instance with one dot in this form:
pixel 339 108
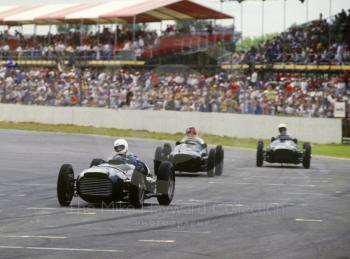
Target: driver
pixel 121 148
pixel 192 134
pixel 282 129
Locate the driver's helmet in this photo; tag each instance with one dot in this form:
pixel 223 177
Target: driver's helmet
pixel 282 128
pixel 191 132
pixel 121 146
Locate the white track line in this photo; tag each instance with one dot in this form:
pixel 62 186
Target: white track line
pixel 157 241
pixel 186 231
pixel 309 220
pixel 287 178
pixel 89 210
pixel 268 184
pixel 305 193
pixel 43 237
pixel 230 204
pixel 80 213
pixel 41 208
pixel 28 184
pixel 61 249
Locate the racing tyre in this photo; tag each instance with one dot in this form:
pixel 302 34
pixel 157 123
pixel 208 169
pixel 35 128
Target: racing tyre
pixel 219 152
pixel 65 185
pixel 158 158
pixel 96 161
pixel 137 190
pixel 211 163
pixel 165 183
pixel 307 155
pixel 167 149
pixel 260 153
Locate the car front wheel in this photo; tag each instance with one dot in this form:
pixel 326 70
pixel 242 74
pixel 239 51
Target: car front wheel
pixel 65 185
pixel 165 183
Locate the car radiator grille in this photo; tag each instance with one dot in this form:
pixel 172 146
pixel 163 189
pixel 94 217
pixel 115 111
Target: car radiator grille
pixel 98 187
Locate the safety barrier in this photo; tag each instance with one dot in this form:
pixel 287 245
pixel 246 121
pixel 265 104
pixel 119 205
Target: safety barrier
pixel 316 130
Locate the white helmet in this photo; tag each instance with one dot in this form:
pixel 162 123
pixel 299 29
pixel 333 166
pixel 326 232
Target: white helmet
pixel 121 146
pixel 281 126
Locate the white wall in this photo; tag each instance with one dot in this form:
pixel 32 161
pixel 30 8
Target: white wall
pixel 234 125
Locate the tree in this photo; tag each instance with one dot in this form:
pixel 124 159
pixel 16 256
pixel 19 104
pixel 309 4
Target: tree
pixel 249 42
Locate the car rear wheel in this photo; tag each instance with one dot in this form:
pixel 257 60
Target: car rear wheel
pixel 158 158
pixel 96 162
pixel 65 185
pixel 219 160
pixel 307 155
pixel 137 190
pixel 211 163
pixel 165 183
pixel 260 153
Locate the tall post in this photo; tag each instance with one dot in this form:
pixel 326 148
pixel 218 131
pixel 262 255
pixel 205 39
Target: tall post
pixel 329 23
pixel 133 28
pixel 65 33
pixel 115 39
pixel 81 31
pixel 49 38
pixel 307 10
pixel 284 14
pixel 242 20
pixel 98 33
pixel 34 32
pixel 262 18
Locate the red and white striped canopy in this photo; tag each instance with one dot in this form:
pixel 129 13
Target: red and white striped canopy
pixel 122 11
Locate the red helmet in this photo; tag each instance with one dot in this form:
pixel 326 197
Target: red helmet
pixel 191 132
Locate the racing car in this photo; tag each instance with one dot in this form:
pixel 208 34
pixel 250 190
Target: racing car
pixel 116 180
pixel 191 156
pixel 283 150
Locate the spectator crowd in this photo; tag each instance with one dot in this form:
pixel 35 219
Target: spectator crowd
pixel 286 94
pixel 83 46
pixel 317 42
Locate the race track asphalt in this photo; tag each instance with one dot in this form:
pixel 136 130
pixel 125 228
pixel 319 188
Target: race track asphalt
pixel 248 212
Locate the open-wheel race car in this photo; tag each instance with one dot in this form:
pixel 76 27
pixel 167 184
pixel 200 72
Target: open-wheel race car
pixel 191 156
pixel 283 150
pixel 116 180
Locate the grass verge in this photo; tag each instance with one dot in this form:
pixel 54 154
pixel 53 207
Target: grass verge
pixel 334 150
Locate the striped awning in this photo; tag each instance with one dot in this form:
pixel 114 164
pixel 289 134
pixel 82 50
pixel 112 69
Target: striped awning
pixel 122 11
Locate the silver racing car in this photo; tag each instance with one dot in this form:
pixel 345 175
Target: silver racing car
pixel 283 150
pixel 116 180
